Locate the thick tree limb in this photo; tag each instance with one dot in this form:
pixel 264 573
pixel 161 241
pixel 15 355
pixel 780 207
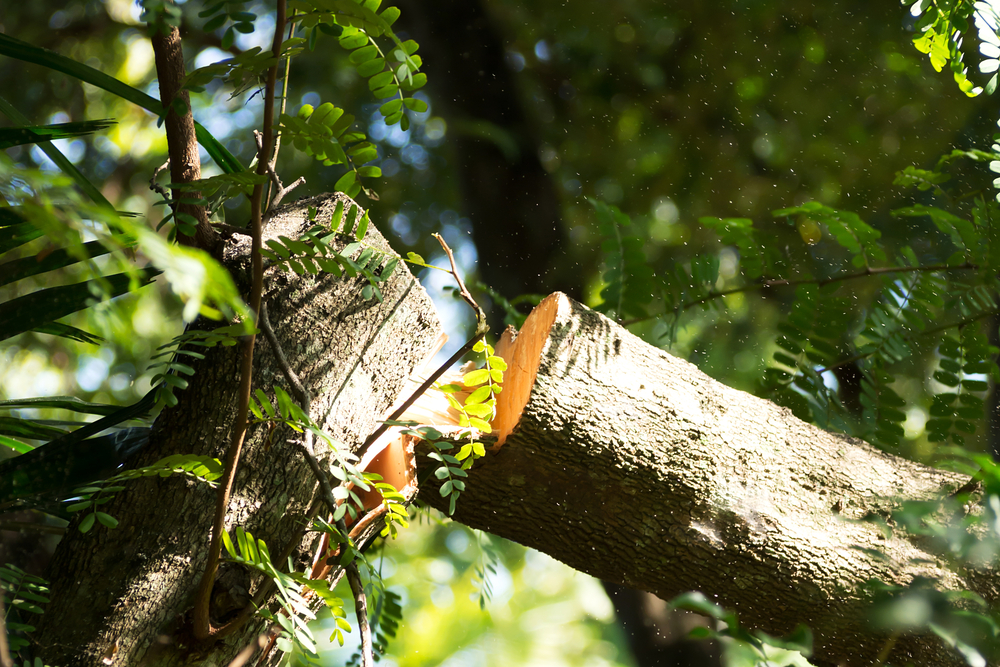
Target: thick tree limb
pixel 133 586
pixel 634 466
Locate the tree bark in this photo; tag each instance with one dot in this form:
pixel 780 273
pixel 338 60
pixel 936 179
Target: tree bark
pixel 612 456
pixel 124 594
pixel 635 467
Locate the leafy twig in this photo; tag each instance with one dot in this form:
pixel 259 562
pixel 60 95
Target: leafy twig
pixel 326 492
pixel 482 328
pixel 203 628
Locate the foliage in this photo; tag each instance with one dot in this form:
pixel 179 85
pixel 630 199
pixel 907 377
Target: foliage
pixel 295 614
pixel 23 593
pixel 744 646
pixel 194 467
pixel 486 569
pixel 475 412
pixel 629 279
pixel 312 252
pixel 915 304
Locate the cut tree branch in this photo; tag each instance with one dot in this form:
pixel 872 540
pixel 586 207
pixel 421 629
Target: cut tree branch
pixel 635 467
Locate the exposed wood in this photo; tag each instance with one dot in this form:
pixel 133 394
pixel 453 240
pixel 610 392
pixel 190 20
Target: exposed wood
pixel 634 466
pixel 131 586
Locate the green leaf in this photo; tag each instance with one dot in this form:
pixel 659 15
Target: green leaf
pixel 378 81
pixel 28 428
pixel 476 377
pixel 44 306
pixel 343 185
pixel 364 54
pixel 415 105
pixel 60 160
pixel 265 403
pixel 697 602
pixel 480 424
pixel 62 403
pixel 16 445
pixel 483 410
pixel 15 48
pixel 33 134
pixel 24 267
pixel 497 362
pixel 418 81
pixel 386 91
pixel 478 396
pixel 362 227
pixel 88 522
pixel 15 230
pixel 391 107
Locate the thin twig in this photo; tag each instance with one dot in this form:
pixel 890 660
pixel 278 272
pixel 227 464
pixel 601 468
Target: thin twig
pixel 301 393
pixel 793 282
pixel 281 189
pixel 284 191
pixel 427 384
pixel 156 187
pixel 231 229
pixel 482 328
pixel 272 165
pixel 203 628
pixel 463 290
pixel 361 610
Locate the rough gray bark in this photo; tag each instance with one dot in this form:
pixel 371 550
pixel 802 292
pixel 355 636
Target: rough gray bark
pixel 635 467
pixel 124 594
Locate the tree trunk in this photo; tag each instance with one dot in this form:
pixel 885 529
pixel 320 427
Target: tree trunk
pixel 124 595
pixel 635 467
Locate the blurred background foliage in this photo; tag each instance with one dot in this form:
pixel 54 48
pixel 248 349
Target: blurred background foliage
pixel 669 110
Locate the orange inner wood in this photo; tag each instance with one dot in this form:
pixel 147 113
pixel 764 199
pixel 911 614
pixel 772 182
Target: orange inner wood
pixel 523 357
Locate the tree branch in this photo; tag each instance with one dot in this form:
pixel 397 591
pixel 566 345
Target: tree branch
pixel 792 282
pixel 182 146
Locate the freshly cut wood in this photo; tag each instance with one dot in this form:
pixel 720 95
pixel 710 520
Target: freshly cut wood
pixel 634 466
pixel 123 595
